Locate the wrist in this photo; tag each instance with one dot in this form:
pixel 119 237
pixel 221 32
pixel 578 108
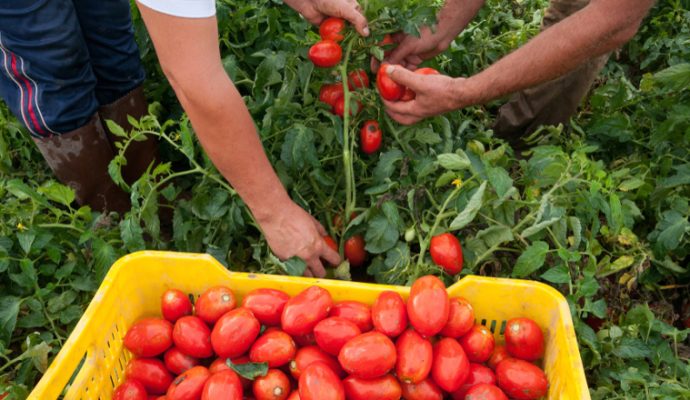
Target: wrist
pixel 465 93
pixel 268 205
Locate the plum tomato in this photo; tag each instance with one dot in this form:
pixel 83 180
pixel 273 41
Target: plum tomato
pixel 234 333
pixel 149 337
pixel 389 314
pixel 175 304
pixel 354 251
pixel 450 367
pixel 415 355
pixel 369 355
pixel 275 385
pixel 192 337
pixel 354 311
pixel 428 306
pixel 524 339
pixel 446 252
pixel 213 303
pixel 521 380
pixel 370 137
pixel 304 311
pixel 266 305
pixel 325 53
pixel 478 344
pixel 460 318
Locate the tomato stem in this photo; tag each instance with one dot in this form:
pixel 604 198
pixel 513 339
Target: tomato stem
pixel 348 145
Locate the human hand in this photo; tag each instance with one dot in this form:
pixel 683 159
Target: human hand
pixel 435 94
pixel 291 231
pixel 315 11
pixel 410 51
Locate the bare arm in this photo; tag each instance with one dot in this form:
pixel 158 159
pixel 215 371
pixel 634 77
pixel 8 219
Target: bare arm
pixel 188 52
pixel 602 26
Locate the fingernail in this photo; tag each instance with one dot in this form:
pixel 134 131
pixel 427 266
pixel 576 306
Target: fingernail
pixel 366 31
pixel 390 69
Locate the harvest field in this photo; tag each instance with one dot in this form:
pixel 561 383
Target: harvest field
pixel 599 209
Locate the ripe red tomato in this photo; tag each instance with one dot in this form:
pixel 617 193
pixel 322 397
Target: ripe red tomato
pixel 446 252
pixel 319 382
pixel 215 302
pixel 383 388
pixel 192 337
pixel 370 137
pixel 178 362
pixel 332 28
pixel 428 306
pixel 369 355
pixel 189 385
pixel 266 305
pixel 330 93
pixel 460 318
pixel 223 385
pixel 415 355
pixel 354 251
pixel 149 337
pixel 387 39
pixel 389 314
pixel 450 367
pixel 309 355
pixel 325 53
pixel 130 389
pixel 339 107
pixel 304 311
pixel 388 88
pixel 478 344
pixel 497 356
pixel 175 304
pixel 276 348
pixel 151 373
pixel 275 385
pixel 485 391
pixel 424 390
pixel 305 340
pixel 294 395
pixel 332 333
pixel 409 93
pixel 354 311
pixel 234 333
pixel 524 339
pixel 521 380
pixel 357 79
pixel 330 242
pixel 478 374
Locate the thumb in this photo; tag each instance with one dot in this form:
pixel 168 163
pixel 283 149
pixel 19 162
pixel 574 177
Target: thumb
pixel 357 20
pixel 403 76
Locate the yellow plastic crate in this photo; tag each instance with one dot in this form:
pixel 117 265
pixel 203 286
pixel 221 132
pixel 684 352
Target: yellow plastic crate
pixel 133 288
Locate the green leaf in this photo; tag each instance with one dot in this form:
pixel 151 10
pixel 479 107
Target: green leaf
pixel 619 264
pixel 500 180
pixel 103 256
pixel 427 136
pixel 383 232
pixel 115 129
pixel 531 260
pixel 132 235
pixel 558 274
pixel 470 211
pixel 249 370
pixel 676 77
pixel 536 228
pixel 26 239
pixel 615 219
pixel 631 348
pixel 298 150
pixel 454 161
pixel 58 192
pixel 589 287
pixel 630 184
pixel 386 165
pixel 495 235
pixel 9 309
pixel 64 299
pixel 294 266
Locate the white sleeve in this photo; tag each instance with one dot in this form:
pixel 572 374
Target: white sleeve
pixel 183 8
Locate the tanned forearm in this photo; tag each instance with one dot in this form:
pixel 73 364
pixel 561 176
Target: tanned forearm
pixel 601 27
pixel 455 16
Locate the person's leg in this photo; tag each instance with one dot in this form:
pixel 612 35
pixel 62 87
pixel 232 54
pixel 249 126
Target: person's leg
pixel 107 29
pixel 47 82
pixel 552 102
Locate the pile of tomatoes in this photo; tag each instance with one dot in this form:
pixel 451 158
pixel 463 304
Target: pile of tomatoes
pixel 274 347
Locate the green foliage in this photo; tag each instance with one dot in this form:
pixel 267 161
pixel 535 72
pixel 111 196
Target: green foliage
pixel 600 209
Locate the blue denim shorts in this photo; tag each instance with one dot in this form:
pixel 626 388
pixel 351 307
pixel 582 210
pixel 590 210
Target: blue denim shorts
pixel 62 59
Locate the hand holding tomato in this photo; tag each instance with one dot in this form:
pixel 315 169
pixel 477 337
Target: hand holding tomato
pixel 316 11
pixel 435 94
